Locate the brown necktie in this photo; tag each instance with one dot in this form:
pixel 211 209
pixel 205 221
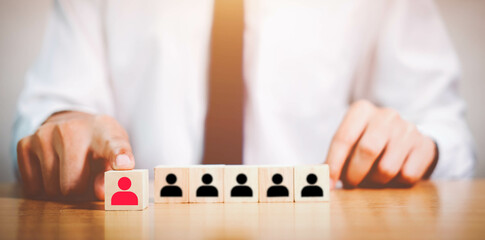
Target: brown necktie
pixel 224 122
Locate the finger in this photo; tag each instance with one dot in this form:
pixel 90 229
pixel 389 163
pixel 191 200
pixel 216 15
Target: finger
pixel 29 168
pixel 418 161
pixel 49 162
pixel 348 133
pixel 111 143
pixel 397 150
pixel 71 143
pixel 370 146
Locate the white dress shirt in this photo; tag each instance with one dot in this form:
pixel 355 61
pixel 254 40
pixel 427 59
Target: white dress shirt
pixel 145 62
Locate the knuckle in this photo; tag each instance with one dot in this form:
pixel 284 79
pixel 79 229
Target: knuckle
pixel 58 132
pixel 40 144
pixel 64 129
pixel 362 103
pixel 108 145
pixel 22 145
pixel 103 118
pixel 115 129
pixel 428 143
pixel 390 114
pixel 343 139
pixel 70 132
pixel 44 132
pixel 411 129
pixel 120 135
pixel 117 145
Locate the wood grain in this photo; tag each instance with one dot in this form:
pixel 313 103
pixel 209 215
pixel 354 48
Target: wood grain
pixel 430 210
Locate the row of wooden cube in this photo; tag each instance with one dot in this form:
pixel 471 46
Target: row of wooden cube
pixel 227 180
pixel 128 190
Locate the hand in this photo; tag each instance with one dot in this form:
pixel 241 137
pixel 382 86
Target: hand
pixel 70 152
pixel 377 145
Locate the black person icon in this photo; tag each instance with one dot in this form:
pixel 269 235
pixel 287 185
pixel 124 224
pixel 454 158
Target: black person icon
pixel 312 190
pixel 241 191
pixel 277 190
pixel 207 190
pixel 171 190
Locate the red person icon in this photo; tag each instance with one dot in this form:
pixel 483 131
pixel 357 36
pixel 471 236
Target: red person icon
pixel 124 197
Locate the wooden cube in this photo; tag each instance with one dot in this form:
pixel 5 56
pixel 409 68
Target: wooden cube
pixel 126 190
pixel 171 184
pixel 206 183
pixel 312 183
pixel 276 184
pixel 241 184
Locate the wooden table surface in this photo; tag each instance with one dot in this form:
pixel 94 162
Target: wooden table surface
pixel 430 210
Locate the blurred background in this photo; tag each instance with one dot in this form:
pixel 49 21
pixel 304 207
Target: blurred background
pixel 22 25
